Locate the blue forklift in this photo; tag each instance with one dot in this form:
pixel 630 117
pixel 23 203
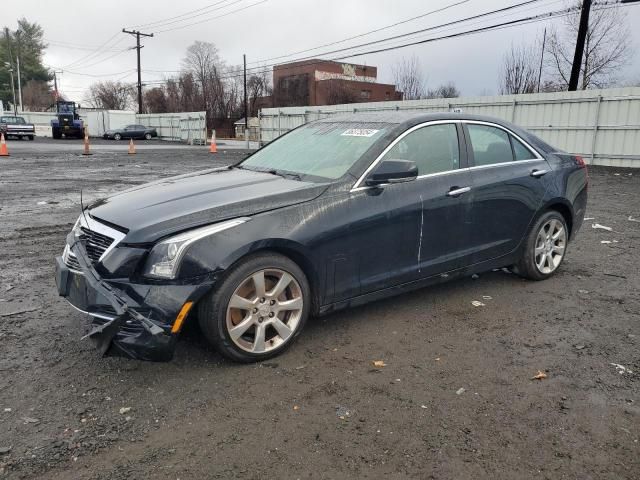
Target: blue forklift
pixel 67 122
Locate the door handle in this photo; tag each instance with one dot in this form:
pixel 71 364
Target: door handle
pixel 456 191
pixel 538 173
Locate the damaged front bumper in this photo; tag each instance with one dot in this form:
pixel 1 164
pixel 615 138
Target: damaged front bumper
pixel 129 319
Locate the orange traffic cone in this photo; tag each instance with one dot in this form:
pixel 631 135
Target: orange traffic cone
pixel 132 147
pixel 86 144
pixel 3 146
pixel 213 148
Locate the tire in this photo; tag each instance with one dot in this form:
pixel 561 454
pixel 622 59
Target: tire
pixel 545 247
pixel 30 137
pixel 117 136
pixel 147 136
pixel 251 312
pixel 56 133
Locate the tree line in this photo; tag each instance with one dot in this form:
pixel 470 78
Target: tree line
pixel 206 82
pixel 544 65
pixel 27 44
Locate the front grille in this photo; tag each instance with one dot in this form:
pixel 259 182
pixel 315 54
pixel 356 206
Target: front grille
pixel 96 244
pixel 70 260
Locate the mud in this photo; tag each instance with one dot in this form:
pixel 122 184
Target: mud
pixel 323 410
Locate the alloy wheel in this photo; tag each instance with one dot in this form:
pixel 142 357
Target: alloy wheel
pixel 264 311
pixel 550 245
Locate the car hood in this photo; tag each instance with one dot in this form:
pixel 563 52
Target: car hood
pixel 167 206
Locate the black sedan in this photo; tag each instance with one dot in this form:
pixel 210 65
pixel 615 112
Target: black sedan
pixel 333 214
pixel 131 131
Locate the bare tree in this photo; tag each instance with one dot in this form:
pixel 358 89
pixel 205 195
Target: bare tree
pixel 519 70
pixel 446 90
pixel 258 85
pixel 111 95
pixel 203 62
pixel 37 96
pixel 155 100
pixel 409 79
pixel 607 48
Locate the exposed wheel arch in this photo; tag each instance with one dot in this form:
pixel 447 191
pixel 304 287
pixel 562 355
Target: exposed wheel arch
pixel 566 213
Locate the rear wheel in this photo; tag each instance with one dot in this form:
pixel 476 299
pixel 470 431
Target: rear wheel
pixel 545 247
pixel 258 310
pixel 30 137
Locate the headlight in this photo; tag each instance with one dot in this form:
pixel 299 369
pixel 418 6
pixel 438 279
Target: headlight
pixel 165 257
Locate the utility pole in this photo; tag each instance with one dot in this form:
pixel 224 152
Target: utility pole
pixel 19 84
pixel 13 88
pixel 55 85
pixel 138 47
pixel 582 35
pixel 246 111
pixel 544 41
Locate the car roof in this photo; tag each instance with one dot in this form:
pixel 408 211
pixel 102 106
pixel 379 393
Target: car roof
pixel 404 120
pixel 399 117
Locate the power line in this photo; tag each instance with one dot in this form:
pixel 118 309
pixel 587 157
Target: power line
pixel 96 75
pixel 423 30
pixel 386 27
pixel 108 58
pixel 173 22
pixel 383 40
pixel 95 53
pixel 159 23
pixel 212 18
pixel 498 26
pixel 55 43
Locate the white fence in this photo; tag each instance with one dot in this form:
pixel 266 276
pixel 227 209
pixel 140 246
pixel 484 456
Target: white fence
pixel 601 125
pixel 184 126
pixel 190 127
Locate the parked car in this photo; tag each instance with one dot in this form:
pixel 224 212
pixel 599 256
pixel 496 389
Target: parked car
pixel 131 131
pixel 336 213
pixel 12 126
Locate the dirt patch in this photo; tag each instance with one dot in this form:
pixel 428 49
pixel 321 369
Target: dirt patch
pixel 456 398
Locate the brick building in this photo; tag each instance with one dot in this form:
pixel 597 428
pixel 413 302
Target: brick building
pixel 323 82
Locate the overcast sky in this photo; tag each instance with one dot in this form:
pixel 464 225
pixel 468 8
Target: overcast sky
pixel 280 27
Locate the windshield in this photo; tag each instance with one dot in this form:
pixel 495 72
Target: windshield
pixel 13 120
pixel 320 149
pixel 65 107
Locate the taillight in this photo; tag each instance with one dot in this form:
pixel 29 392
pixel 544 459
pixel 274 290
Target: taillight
pixel 582 164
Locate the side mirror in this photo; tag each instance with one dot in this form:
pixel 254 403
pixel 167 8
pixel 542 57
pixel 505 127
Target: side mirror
pixel 392 171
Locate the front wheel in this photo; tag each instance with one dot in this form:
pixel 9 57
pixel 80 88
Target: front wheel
pixel 147 136
pixel 545 247
pixel 117 136
pixel 258 310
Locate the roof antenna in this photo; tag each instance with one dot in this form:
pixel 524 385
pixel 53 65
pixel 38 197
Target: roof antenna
pixel 82 210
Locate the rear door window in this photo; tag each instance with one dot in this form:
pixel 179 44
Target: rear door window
pixel 433 148
pixel 490 145
pixel 520 151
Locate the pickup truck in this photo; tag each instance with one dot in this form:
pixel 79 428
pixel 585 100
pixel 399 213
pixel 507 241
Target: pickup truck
pixel 13 126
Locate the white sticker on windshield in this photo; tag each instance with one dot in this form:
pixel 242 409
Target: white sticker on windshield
pixel 360 132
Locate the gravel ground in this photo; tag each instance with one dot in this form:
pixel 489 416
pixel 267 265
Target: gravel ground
pixel 456 398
